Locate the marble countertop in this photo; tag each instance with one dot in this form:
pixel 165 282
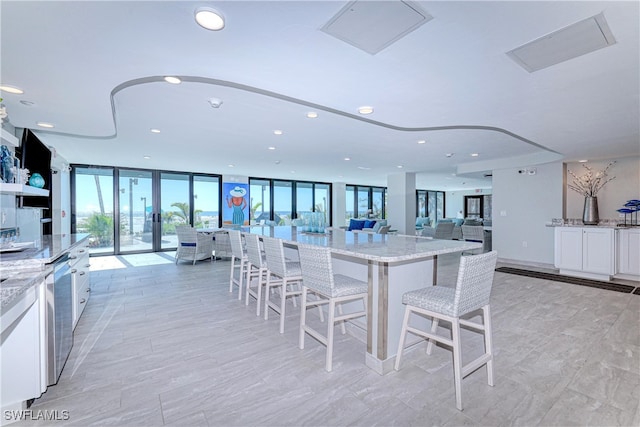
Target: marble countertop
pixel 20 271
pixel 45 251
pixel 614 226
pixel 375 247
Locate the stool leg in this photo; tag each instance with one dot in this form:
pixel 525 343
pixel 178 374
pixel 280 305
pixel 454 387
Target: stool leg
pixel 488 342
pixel 233 266
pixel 246 299
pixel 403 336
pixel 342 322
pixel 457 362
pixel 283 304
pixel 259 298
pixel 330 327
pixel 266 296
pixel 434 329
pixel 240 281
pixel 303 317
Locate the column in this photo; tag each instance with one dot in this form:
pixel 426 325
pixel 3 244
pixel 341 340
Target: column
pixel 401 202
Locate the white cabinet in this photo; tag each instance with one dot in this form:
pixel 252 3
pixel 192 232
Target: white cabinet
pixel 629 251
pixel 585 252
pixel 80 279
pixel 22 351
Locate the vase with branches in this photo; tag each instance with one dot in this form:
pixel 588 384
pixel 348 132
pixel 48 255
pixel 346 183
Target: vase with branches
pixel 588 185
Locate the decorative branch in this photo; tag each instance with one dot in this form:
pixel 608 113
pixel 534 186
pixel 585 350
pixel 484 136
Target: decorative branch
pixel 590 183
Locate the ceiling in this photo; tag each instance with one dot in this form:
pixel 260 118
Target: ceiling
pixel 95 71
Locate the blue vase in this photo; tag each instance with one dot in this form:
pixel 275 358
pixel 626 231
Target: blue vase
pixel 36 180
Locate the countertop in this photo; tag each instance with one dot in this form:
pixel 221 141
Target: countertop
pixel 20 271
pixel 614 226
pixel 375 247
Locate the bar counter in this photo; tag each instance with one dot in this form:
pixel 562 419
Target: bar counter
pixel 391 265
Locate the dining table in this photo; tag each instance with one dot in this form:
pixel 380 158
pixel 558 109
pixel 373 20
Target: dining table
pixel 391 264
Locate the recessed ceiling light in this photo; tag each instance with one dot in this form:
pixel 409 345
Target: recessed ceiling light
pixel 365 110
pixel 172 80
pixel 272 148
pixel 312 114
pixel 155 130
pixel 583 161
pixel 364 168
pixel 449 154
pixel 230 166
pixel 45 125
pixel 347 158
pixel 209 18
pixel 422 141
pixel 11 89
pixel 399 166
pixel 474 154
pixel 146 157
pixel 277 132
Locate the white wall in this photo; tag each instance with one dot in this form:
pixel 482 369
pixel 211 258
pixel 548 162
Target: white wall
pixel 522 205
pixel 613 195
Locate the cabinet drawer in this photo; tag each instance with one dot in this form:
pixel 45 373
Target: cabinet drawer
pixel 82 298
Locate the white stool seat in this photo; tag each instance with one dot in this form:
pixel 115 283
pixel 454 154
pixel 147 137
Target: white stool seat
pixel 286 275
pixel 435 298
pixel 331 289
pixel 472 292
pixel 345 286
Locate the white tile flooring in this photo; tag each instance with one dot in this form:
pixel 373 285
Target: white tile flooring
pixel 166 344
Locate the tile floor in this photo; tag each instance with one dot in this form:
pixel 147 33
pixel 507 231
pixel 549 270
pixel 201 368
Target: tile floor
pixel 165 344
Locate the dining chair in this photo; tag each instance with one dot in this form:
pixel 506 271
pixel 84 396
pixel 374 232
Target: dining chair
pixel 331 289
pixel 474 233
pixel 193 246
pixel 471 293
pixel 443 230
pixel 256 269
pixel 281 273
pixel 239 260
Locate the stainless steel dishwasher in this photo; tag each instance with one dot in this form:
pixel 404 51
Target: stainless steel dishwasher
pixel 59 321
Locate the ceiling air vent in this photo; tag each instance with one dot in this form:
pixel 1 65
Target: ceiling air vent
pixel 564 44
pixel 375 25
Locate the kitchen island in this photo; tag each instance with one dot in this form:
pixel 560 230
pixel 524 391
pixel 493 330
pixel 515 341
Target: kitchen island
pixel 391 265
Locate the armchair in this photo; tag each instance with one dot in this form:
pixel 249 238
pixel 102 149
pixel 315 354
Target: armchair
pixel 193 246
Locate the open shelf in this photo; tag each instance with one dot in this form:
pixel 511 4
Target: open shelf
pixel 22 190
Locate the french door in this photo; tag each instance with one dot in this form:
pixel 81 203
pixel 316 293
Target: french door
pixel 136 210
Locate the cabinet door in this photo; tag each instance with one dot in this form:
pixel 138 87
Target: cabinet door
pixel 629 252
pixel 598 250
pixel 568 248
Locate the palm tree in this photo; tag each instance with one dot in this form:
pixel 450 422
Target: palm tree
pixel 183 211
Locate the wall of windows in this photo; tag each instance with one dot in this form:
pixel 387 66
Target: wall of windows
pixel 364 201
pixel 282 201
pixel 430 204
pixel 136 210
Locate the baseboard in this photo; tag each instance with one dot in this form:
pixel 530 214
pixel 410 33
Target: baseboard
pixel 527 263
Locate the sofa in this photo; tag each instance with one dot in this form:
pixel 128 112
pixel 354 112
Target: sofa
pixel 373 226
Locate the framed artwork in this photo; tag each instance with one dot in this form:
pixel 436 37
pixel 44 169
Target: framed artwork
pixel 235 208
